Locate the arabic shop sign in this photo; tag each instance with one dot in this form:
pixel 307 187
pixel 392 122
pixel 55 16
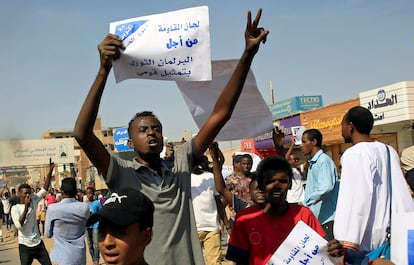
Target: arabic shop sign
pixel 294 105
pixel 36 152
pixel 389 104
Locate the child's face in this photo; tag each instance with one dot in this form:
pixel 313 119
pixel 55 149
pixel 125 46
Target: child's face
pixel 276 187
pixel 255 193
pixel 123 245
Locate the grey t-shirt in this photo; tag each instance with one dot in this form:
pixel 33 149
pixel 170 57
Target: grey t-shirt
pixel 175 239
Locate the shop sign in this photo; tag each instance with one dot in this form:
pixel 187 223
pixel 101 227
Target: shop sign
pixel 293 105
pixel 265 141
pixel 36 152
pixel 328 120
pixel 391 103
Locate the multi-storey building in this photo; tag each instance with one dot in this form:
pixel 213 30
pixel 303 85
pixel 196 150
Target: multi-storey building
pixel 83 169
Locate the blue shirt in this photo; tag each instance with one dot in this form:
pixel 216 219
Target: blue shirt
pixel 66 221
pixel 93 208
pixel 321 192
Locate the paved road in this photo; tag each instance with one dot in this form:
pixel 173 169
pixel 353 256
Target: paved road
pixel 9 251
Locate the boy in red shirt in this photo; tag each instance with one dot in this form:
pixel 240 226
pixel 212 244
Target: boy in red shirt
pixel 256 236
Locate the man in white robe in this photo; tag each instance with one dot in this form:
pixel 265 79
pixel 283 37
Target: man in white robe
pixel 362 213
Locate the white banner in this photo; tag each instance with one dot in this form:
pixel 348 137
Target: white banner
pixel 36 152
pixel 168 46
pixel 303 246
pixel 251 116
pixel 402 238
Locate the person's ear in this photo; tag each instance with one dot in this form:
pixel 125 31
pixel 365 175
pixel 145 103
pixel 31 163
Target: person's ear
pixel 130 144
pixel 314 142
pixel 147 235
pixel 351 127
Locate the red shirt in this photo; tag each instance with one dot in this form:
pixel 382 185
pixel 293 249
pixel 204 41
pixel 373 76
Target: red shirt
pixel 50 198
pixel 258 235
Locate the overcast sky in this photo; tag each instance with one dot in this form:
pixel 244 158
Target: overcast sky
pixel 331 48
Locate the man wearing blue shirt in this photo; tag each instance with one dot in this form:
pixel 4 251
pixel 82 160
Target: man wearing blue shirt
pixel 66 222
pixel 321 192
pixel 92 231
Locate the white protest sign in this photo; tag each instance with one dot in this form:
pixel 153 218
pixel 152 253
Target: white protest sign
pixel 168 46
pixel 251 116
pixel 303 246
pixel 402 238
pixel 298 131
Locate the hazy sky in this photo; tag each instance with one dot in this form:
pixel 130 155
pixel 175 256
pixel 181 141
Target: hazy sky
pixel 331 48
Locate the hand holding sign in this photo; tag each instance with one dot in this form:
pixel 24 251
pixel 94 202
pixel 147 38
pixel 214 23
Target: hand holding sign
pixel 303 246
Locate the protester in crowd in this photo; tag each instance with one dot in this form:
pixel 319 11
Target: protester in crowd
pixel 123 240
pixel 296 193
pixel 407 163
pixel 50 197
pixel 364 194
pixel 41 214
pixel 92 231
pixel 79 195
pixel 169 188
pixel 238 182
pixel 232 199
pixel 274 177
pixel 207 208
pixel 13 200
pixel 5 201
pixel 65 222
pixel 103 196
pixel 58 194
pixel 23 214
pixel 321 190
pixel 1 221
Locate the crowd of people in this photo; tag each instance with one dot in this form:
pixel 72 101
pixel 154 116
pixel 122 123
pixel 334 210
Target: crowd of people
pixel 170 212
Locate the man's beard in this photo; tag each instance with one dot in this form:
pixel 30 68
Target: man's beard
pixel 347 139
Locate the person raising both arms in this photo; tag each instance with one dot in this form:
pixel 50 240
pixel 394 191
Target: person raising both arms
pixel 168 187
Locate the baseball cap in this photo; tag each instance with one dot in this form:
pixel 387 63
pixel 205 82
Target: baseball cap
pixel 125 208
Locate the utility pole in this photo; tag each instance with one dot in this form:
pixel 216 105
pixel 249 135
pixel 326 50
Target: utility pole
pixel 272 96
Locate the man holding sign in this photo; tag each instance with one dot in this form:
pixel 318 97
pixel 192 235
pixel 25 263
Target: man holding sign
pixel 175 235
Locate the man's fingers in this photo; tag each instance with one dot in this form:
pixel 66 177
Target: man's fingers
pixel 249 19
pixel 257 19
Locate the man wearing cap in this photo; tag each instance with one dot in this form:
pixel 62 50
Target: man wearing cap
pixel 125 227
pixel 65 222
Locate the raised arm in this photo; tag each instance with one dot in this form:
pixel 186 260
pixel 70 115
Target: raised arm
pixel 278 138
pixel 228 98
pixel 289 151
pixel 49 175
pixel 4 190
pixel 83 131
pixel 218 177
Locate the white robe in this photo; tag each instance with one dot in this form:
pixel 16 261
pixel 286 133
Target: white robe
pixel 362 212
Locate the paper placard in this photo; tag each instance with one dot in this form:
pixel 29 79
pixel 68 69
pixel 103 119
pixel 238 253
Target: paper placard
pixel 251 116
pixel 303 246
pixel 168 46
pixel 298 131
pixel 402 238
